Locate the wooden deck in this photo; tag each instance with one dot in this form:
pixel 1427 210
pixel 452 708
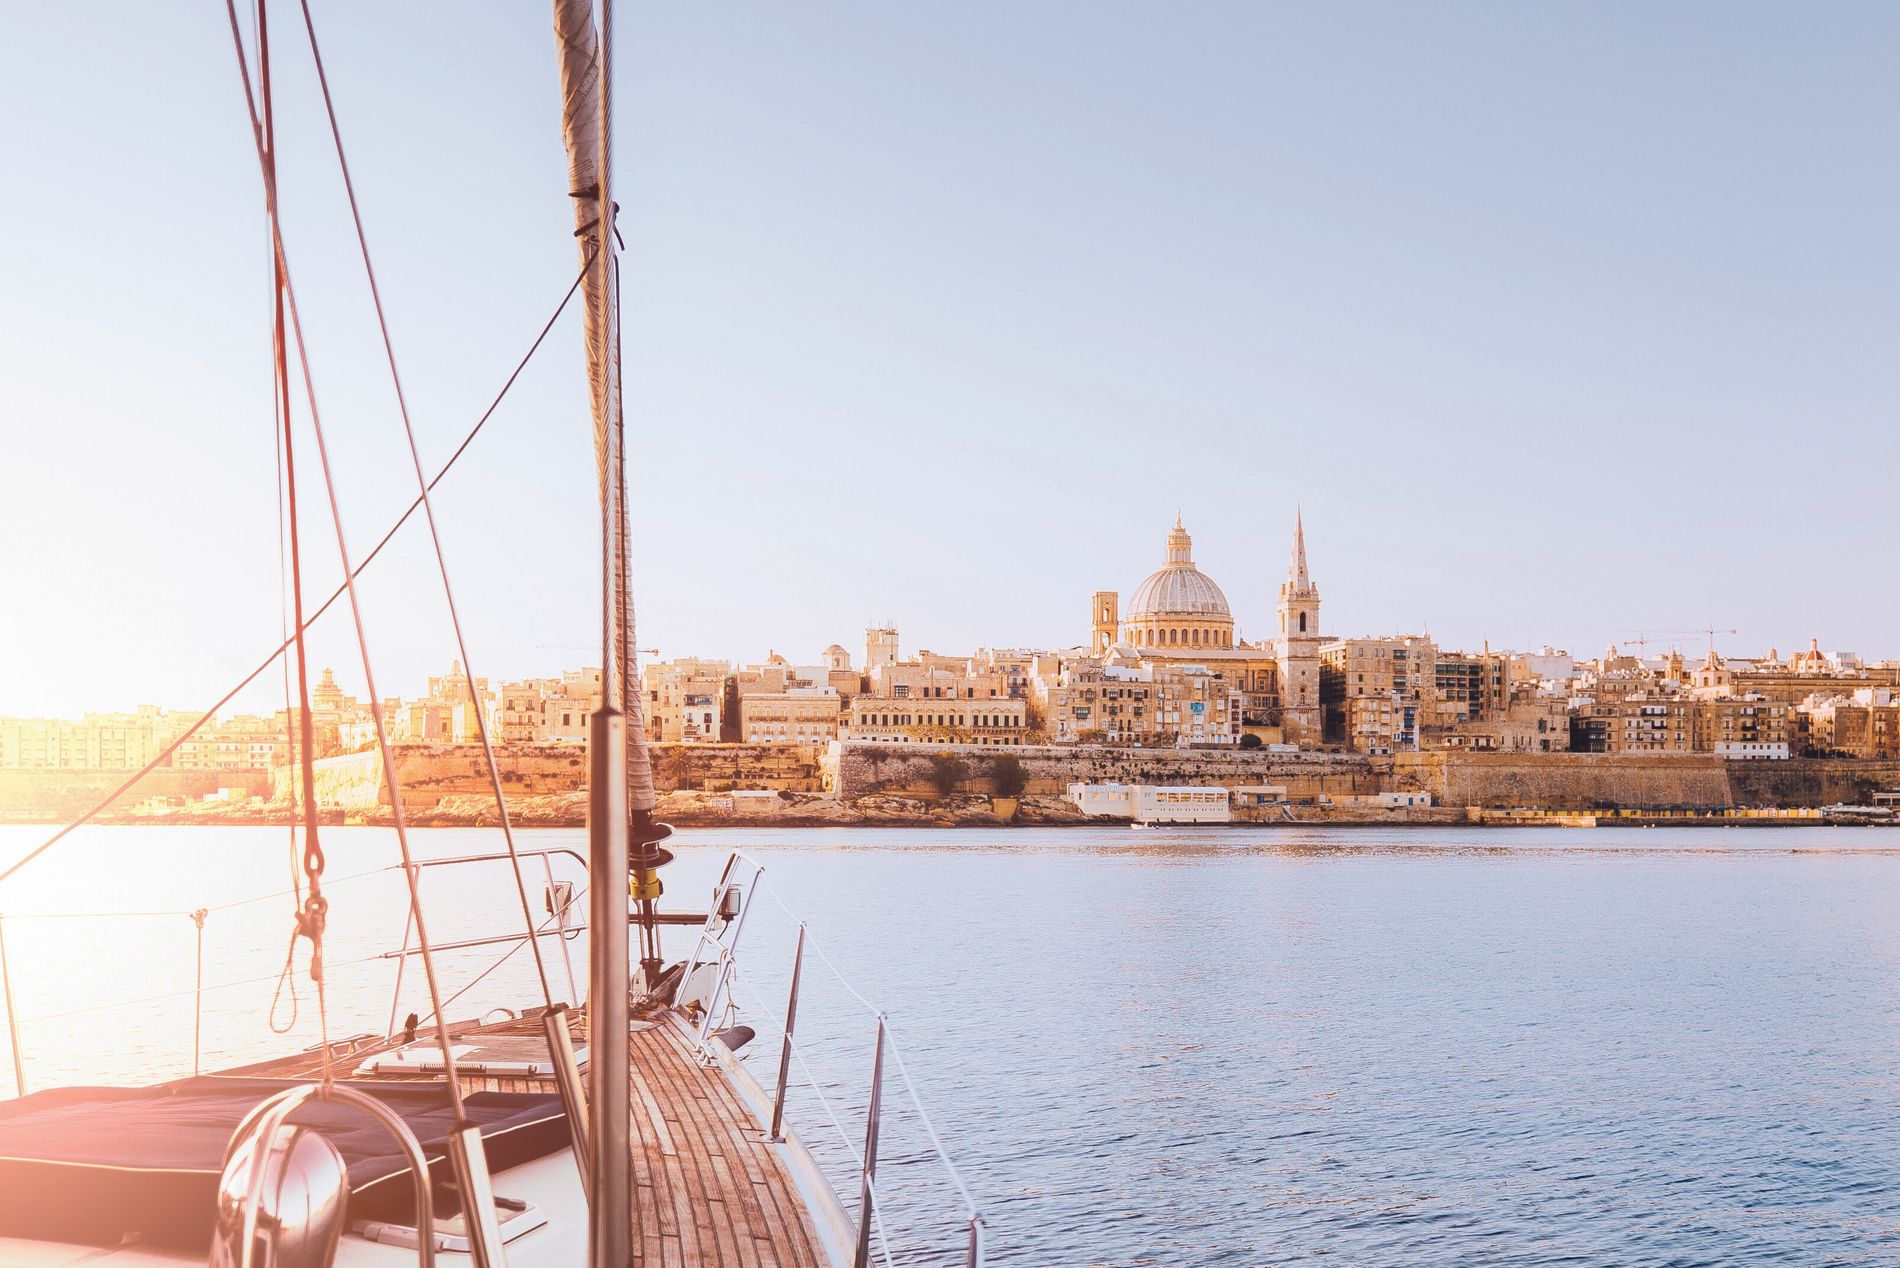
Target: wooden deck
pixel 707 1190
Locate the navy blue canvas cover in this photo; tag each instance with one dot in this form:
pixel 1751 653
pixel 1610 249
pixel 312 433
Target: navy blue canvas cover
pixel 101 1164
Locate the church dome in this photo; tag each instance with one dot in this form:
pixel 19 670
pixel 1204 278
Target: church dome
pixel 1179 588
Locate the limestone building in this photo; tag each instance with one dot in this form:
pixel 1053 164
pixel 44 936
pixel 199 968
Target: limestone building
pixel 1300 716
pixel 1179 617
pixel 685 699
pixel 796 715
pixel 937 720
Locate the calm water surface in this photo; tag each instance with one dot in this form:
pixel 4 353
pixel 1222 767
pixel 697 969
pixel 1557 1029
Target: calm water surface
pixel 1173 1047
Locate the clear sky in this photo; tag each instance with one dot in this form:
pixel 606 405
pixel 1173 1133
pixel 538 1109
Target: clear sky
pixel 1563 323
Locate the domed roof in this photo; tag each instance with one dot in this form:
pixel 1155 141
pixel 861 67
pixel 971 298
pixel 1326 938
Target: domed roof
pixel 1179 588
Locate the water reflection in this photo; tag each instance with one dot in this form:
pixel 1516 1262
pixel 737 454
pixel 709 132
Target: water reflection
pixel 1243 1046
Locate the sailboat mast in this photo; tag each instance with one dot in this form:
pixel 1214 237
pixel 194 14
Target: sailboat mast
pixel 583 111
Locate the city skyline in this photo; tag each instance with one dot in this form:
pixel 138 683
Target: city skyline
pixel 1541 364
pixel 264 696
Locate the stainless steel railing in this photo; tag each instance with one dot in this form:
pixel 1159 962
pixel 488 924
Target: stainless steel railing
pixel 718 944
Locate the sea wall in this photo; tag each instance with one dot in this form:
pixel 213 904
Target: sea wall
pixel 428 773
pixel 1567 780
pixel 1586 781
pixel 874 783
pixel 28 796
pixel 1814 781
pixel 860 770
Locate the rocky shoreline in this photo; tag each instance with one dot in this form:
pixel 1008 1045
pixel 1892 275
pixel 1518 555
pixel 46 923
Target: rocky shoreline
pixel 722 810
pixel 884 810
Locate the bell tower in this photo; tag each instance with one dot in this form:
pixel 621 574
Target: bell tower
pixel 1298 649
pixel 1107 605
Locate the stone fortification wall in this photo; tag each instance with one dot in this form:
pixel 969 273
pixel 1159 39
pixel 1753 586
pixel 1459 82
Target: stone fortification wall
pixel 429 773
pixel 1586 781
pixel 44 795
pixel 1567 780
pixel 861 770
pixel 1562 781
pixel 1810 781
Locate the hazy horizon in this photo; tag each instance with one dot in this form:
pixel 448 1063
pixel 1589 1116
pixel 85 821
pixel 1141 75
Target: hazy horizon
pixel 1563 325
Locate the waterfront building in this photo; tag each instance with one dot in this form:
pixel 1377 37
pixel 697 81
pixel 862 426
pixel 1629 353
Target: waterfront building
pixel 1530 723
pixel 685 699
pixel 797 715
pixel 520 710
pixel 1146 803
pixel 1864 724
pixel 564 719
pixel 1813 672
pixel 1643 722
pixel 1378 694
pixel 771 678
pixel 880 646
pixel 1179 617
pixel 1118 700
pixel 1548 666
pixel 838 673
pixel 1743 727
pixel 244 742
pixel 936 676
pixel 1470 686
pixel 929 719
pixel 98 741
pixel 448 714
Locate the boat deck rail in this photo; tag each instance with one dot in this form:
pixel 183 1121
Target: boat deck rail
pixel 716 951
pixel 712 974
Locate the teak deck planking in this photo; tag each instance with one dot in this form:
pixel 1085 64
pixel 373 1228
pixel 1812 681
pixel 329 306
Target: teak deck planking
pixel 708 1191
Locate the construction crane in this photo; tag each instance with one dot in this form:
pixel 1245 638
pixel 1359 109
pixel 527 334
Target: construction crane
pixel 1644 639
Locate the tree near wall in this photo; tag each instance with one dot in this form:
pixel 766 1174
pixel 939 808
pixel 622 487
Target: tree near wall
pixel 947 771
pixel 1008 777
pixel 674 767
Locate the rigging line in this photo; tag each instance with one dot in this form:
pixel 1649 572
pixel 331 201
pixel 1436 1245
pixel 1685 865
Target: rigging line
pixel 451 1078
pixel 428 511
pixel 210 908
pixel 312 908
pixel 541 931
pixel 279 425
pixel 280 429
pixel 209 714
pixel 164 995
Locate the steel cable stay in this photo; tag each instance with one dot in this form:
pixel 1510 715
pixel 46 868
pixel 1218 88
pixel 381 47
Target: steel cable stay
pixel 466 1154
pixel 310 911
pixel 164 755
pixel 465 1141
pixel 428 512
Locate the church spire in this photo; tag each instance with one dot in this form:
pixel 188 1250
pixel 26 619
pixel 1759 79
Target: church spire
pixel 1296 575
